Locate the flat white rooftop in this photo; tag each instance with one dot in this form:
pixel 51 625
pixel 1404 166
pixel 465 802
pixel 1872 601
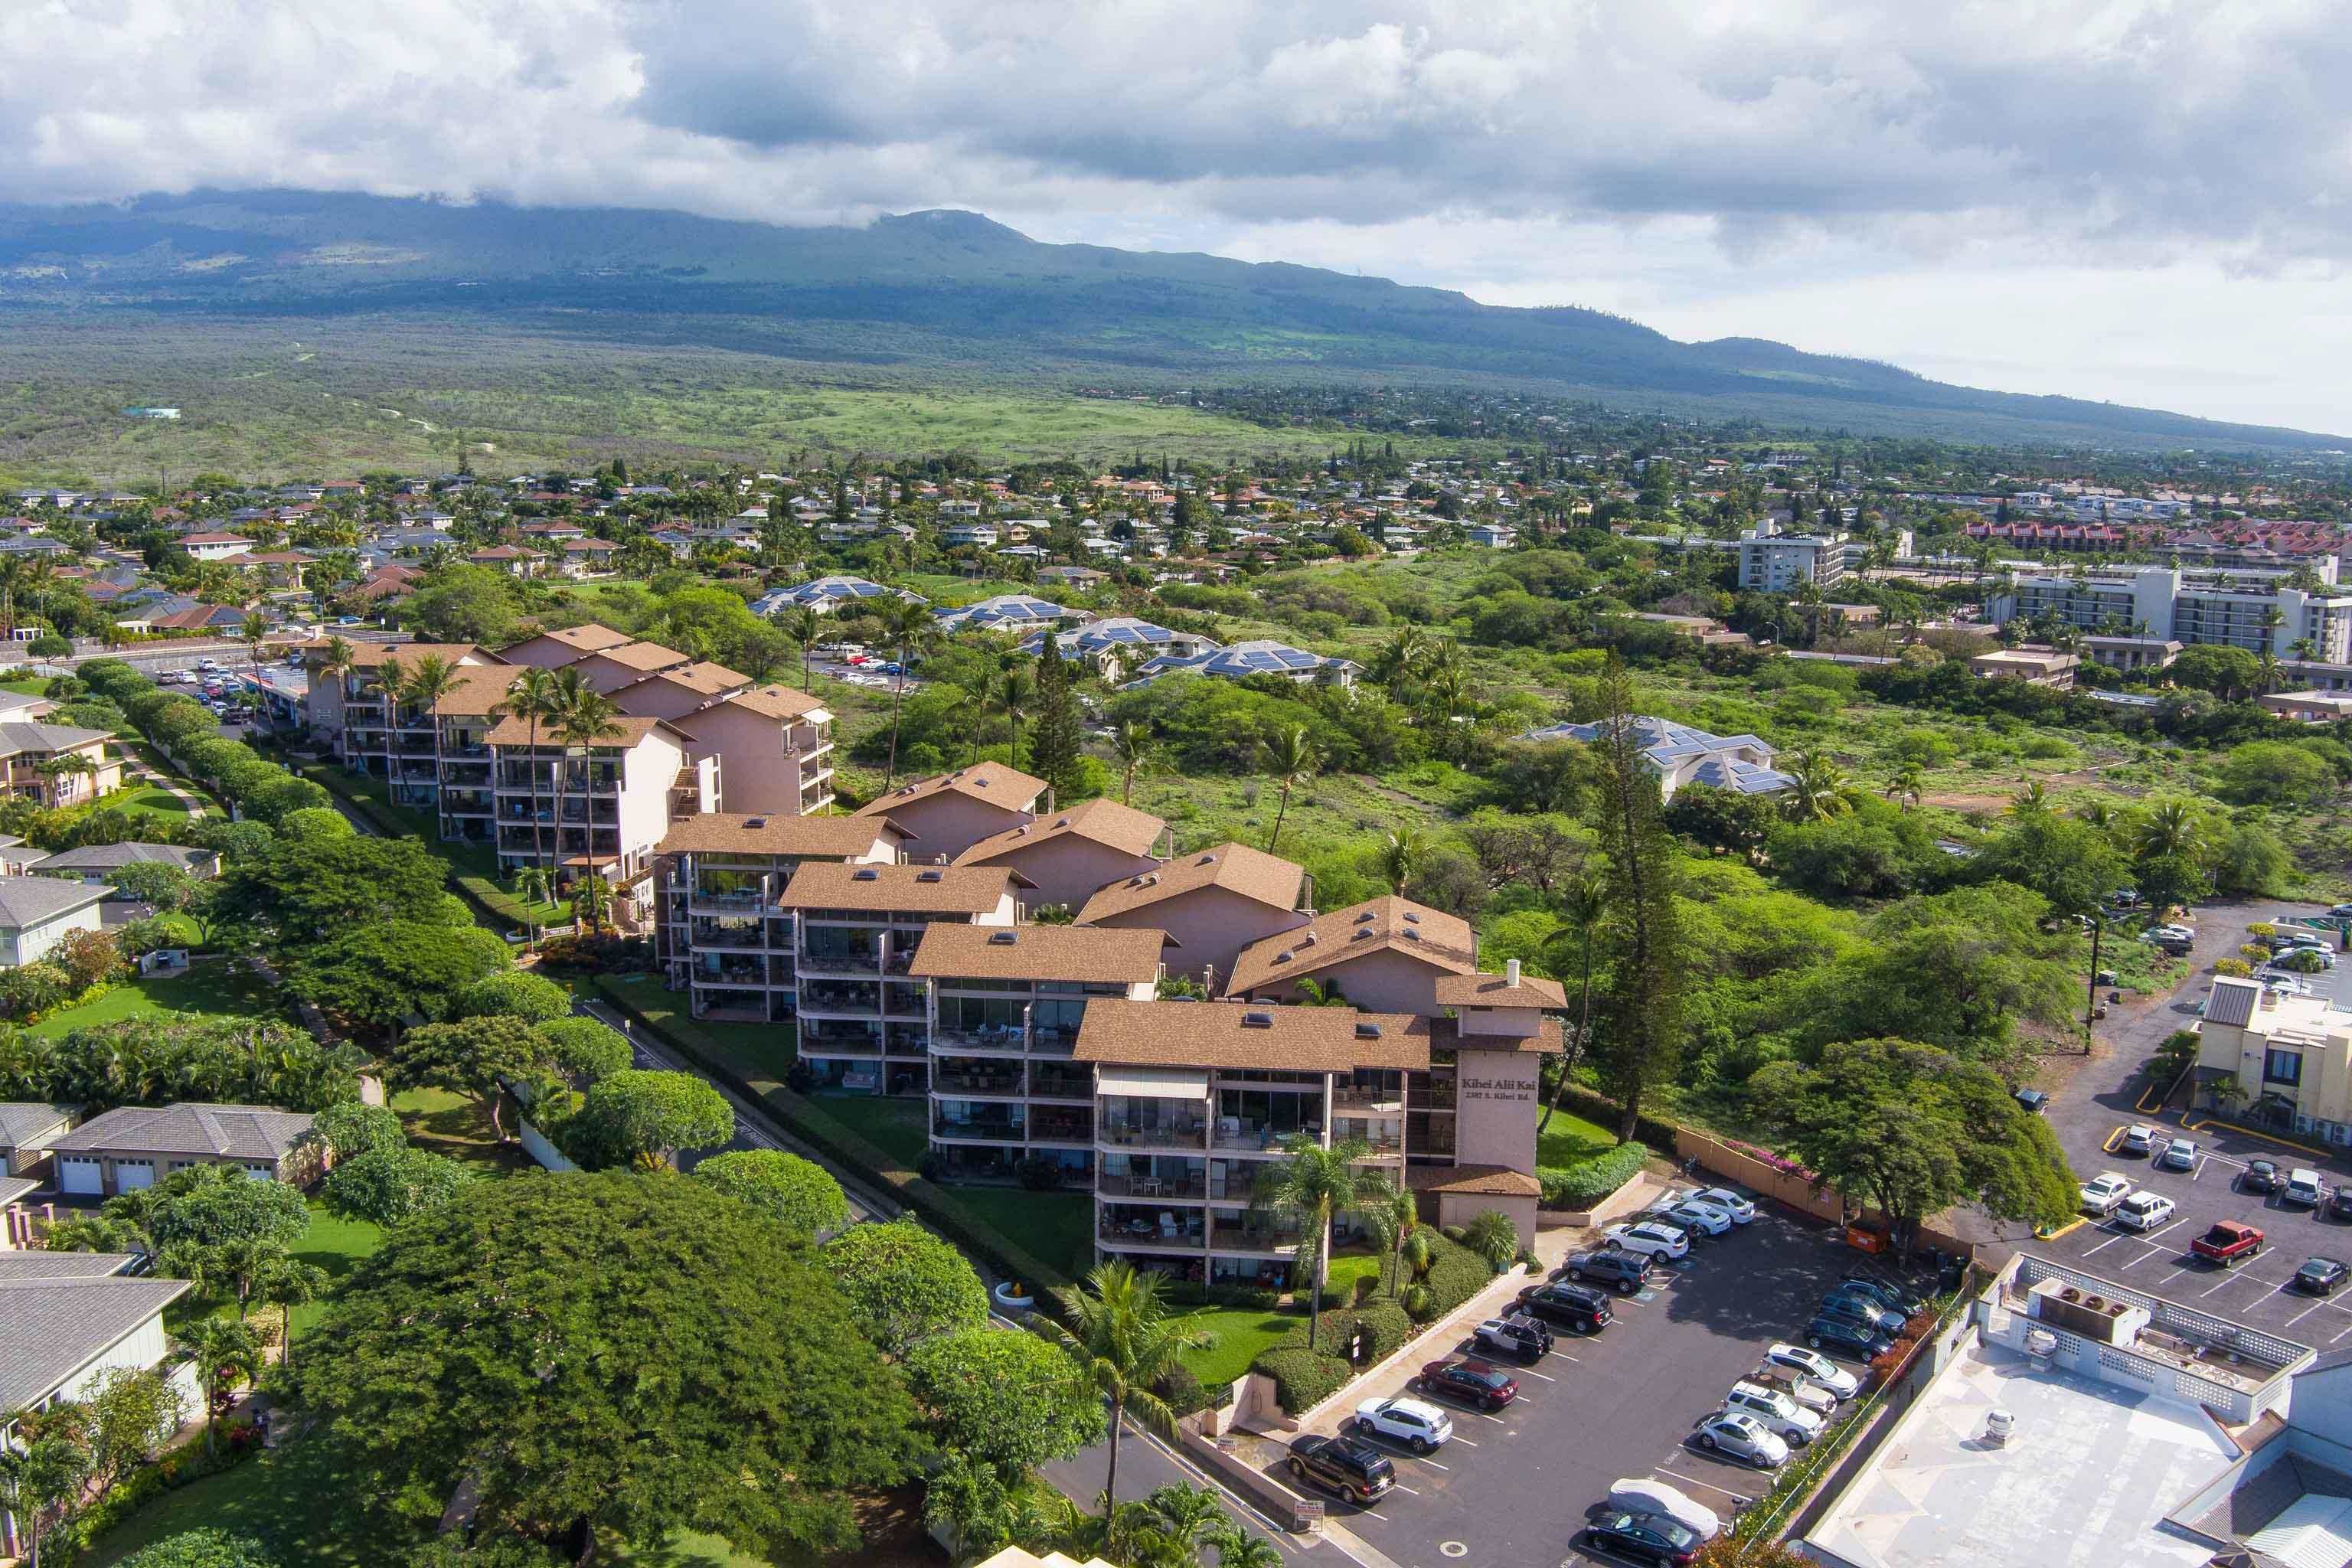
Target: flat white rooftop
pixel 2086 1480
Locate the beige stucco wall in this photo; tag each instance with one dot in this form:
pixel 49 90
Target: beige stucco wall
pixel 1461 1209
pixel 648 769
pixel 757 771
pixel 947 824
pixel 1496 1107
pixel 1209 926
pixel 1067 870
pixel 2324 1093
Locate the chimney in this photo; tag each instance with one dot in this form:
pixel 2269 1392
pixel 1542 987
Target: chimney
pixel 1511 973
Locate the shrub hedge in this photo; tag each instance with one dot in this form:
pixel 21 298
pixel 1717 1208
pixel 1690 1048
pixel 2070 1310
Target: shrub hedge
pixel 1302 1378
pixel 1386 1321
pixel 1455 1274
pixel 1588 1182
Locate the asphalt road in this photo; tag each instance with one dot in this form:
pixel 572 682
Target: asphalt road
pixel 1512 1489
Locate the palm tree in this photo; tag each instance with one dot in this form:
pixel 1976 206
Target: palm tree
pixel 38 1477
pixel 533 697
pixel 1401 857
pixel 1584 900
pixel 534 886
pixel 1390 1224
pixel 253 630
pixel 2169 828
pixel 1120 1342
pixel 586 717
pixel 1313 993
pixel 1315 1184
pixel 1290 759
pixel 2098 814
pixel 591 901
pixel 1181 1520
pixel 1237 1548
pixel 1909 785
pixel 287 1284
pixel 1132 746
pixel 905 625
pixel 2269 664
pixel 1821 790
pixel 803 626
pixel 2030 801
pixel 1492 1237
pixel 1015 687
pixel 430 681
pixel 337 662
pixel 225 1351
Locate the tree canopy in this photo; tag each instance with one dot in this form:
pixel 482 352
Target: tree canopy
pixel 904 1283
pixel 1008 1400
pixel 796 1193
pixel 644 1113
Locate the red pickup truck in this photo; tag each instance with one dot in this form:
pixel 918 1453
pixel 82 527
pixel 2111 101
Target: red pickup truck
pixel 2227 1243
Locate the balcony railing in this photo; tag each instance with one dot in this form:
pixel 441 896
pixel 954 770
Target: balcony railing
pixel 989 1038
pixel 951 1080
pixel 729 903
pixel 908 1041
pixel 1379 1101
pixel 985 1130
pixel 1061 1128
pixel 1251 1238
pixel 723 936
pixel 817 1043
pixel 841 963
pixel 816 999
pixel 1258 1140
pixel 1149 1232
pixel 1052 1083
pixel 1190 1135
pixel 1132 1186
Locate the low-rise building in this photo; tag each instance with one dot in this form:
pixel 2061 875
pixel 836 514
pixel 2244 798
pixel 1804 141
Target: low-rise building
pixel 2131 653
pixel 1386 954
pixel 948 814
pixel 57 764
pixel 136 1146
pixel 2309 707
pixel 1208 905
pixel 37 913
pixel 1772 562
pixel 2034 665
pixel 2287 1061
pixel 1069 854
pixel 1258 656
pixel 1684 754
pixel 96 863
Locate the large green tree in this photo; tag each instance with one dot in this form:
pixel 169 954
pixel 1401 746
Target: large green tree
pixel 607 1357
pixel 904 1283
pixel 1911 1130
pixel 473 1058
pixel 379 975
pixel 1056 733
pixel 1005 1399
pixel 797 1194
pixel 642 1114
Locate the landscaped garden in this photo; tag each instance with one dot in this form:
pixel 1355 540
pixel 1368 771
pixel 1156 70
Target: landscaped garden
pixel 210 986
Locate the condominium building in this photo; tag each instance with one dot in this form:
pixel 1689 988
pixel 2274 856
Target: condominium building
pixel 1069 854
pixel 598 809
pixel 57 764
pixel 2256 610
pixel 1772 562
pixel 1006 1005
pixel 1209 905
pixel 864 1024
pixel 723 935
pixel 949 813
pixel 1386 953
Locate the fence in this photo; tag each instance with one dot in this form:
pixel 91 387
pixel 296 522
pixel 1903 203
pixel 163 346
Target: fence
pixel 1795 1188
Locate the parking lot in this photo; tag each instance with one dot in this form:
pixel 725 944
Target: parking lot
pixel 1512 1488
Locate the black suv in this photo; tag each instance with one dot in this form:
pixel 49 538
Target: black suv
pixel 1575 1307
pixel 1513 1335
pixel 2339 1201
pixel 1347 1466
pixel 1628 1271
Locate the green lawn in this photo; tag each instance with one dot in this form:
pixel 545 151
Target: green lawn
pixel 1345 1270
pixel 27 685
pixel 894 1126
pixel 757 1050
pixel 1242 1332
pixel 149 797
pixel 1059 1228
pixel 291 1500
pixel 335 1245
pixel 212 986
pixel 1571 1138
pixel 458 1128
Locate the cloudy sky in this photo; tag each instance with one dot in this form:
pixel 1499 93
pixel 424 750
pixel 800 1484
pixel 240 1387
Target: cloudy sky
pixel 2148 201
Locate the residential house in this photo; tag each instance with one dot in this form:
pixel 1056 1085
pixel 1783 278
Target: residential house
pixel 1006 1005
pixel 57 764
pixel 864 1024
pixel 948 814
pixel 215 546
pixel 827 595
pixel 37 913
pixel 1682 754
pixel 1069 854
pixel 510 559
pixel 95 863
pixel 27 1128
pixel 1259 656
pixel 2034 665
pixel 1208 905
pixel 723 936
pixel 1116 643
pixel 588 557
pixel 1007 613
pixel 136 1146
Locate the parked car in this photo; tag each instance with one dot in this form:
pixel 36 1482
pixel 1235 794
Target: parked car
pixel 2227 1243
pixel 2180 1154
pixel 2103 1192
pixel 2305 1187
pixel 1797 1360
pixel 2144 1211
pixel 208 664
pixel 1576 1307
pixel 1654 1241
pixel 1641 1537
pixel 1415 1423
pixel 2139 1139
pixel 1775 1412
pixel 1354 1469
pixel 1846 1336
pixel 1860 1309
pixel 1704 1218
pixel 2319 1275
pixel 1796 1385
pixel 1516 1335
pixel 1627 1271
pixel 1890 1295
pixel 1741 1437
pixel 2260 1176
pixel 1645 1495
pixel 1469 1383
pixel 2339 1201
pixel 1739 1205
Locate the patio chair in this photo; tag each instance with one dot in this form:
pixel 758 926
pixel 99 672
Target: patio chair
pixel 1167 1226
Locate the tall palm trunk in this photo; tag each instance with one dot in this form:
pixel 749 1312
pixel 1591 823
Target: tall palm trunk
pixel 1111 1479
pixel 562 771
pixel 538 842
pixel 897 695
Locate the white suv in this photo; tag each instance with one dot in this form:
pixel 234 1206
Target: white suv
pixel 2144 1211
pixel 1652 1241
pixel 1417 1425
pixel 1775 1412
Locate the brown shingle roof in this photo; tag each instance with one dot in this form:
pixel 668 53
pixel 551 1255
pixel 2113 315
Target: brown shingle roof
pixel 1482 1181
pixel 702 676
pixel 1100 953
pixel 923 890
pixel 624 732
pixel 1387 924
pixel 1446 1034
pixel 777 834
pixel 478 688
pixel 778 703
pixel 368 655
pixel 992 781
pixel 1237 867
pixel 1220 1034
pixel 1101 821
pixel 589 639
pixel 1497 991
pixel 644 656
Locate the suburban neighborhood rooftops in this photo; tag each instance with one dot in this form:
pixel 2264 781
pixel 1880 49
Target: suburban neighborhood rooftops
pixel 776 833
pixel 1101 821
pixel 53 1325
pixel 1389 924
pixel 1233 1035
pixel 43 1264
pixel 221 1131
pixel 1102 955
pixel 29 900
pixel 109 856
pixel 918 889
pixel 1237 867
pixel 992 781
pixel 1497 991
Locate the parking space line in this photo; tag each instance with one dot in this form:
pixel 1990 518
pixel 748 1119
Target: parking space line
pixel 1466 1442
pixel 1433 1465
pixel 2151 1252
pixel 2305 1313
pixel 1409 1491
pixel 1545 1376
pixel 1704 1486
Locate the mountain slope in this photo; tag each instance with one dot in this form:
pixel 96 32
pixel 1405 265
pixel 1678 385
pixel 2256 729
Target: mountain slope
pixel 951 290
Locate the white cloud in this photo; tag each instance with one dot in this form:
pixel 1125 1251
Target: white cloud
pixel 1913 182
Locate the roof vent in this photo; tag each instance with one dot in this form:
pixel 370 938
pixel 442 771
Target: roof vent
pixel 757 822
pixel 865 874
pixel 1257 1020
pixel 1208 859
pixel 1365 915
pixel 1308 939
pixel 1284 956
pixel 1411 936
pixel 1368 1031
pixel 1411 919
pixel 929 876
pixel 1002 938
pixel 1061 822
